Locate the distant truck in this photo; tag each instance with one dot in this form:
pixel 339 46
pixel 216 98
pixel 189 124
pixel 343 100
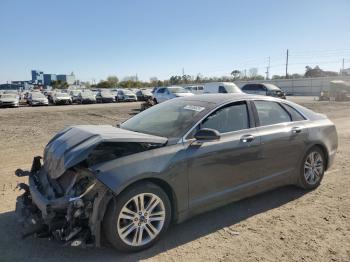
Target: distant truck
pixel 339 90
pixel 264 89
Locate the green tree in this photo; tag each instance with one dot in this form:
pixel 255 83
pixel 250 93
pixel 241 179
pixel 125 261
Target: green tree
pixel 236 74
pixel 59 84
pixel 113 80
pixel 104 84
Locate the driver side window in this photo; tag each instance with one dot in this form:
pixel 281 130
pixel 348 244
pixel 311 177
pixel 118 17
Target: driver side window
pixel 229 118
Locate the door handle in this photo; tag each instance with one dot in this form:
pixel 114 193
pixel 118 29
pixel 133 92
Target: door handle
pixel 247 138
pixel 296 130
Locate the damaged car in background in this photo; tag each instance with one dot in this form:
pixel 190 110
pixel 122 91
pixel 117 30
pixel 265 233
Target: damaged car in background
pixel 170 162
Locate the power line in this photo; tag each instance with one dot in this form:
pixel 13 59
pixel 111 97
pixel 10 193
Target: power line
pixel 287 57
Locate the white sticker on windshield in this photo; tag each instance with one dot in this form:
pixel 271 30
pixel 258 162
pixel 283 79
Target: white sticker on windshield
pixel 194 108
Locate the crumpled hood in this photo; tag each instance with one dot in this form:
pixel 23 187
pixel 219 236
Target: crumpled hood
pixel 73 144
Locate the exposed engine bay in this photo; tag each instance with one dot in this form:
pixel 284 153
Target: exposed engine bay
pixel 69 209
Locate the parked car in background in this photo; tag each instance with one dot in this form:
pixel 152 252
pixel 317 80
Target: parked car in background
pixel 124 95
pixel 168 163
pixel 154 89
pixel 195 89
pixel 60 98
pixel 221 87
pixel 144 94
pixel 165 93
pixel 37 99
pixel 86 97
pixel 105 96
pixel 263 89
pixel 75 95
pixel 9 100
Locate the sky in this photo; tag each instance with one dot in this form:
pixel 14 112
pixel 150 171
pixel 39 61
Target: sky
pixel 160 38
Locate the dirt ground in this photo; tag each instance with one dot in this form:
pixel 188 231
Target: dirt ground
pixel 287 224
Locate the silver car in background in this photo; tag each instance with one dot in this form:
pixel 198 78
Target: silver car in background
pixel 37 99
pixel 61 98
pixel 86 97
pixel 9 100
pixel 165 93
pixel 125 95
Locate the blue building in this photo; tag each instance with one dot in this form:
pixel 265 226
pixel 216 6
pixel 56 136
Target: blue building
pixel 69 79
pixel 37 77
pixel 48 78
pixel 24 85
pixel 10 87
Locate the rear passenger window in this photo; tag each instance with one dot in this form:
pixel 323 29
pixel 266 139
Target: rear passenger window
pixel 271 113
pixel 296 116
pixel 229 118
pixel 222 89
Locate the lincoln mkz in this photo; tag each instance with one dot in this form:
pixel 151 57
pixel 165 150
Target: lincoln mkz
pixel 168 163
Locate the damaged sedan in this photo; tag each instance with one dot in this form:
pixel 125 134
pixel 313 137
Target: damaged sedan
pixel 168 163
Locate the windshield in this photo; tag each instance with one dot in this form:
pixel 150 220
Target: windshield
pixel 75 92
pixel 8 96
pixel 87 93
pixel 147 92
pixel 128 92
pixel 231 88
pixel 106 93
pixel 170 119
pixel 178 90
pixel 61 95
pixel 272 87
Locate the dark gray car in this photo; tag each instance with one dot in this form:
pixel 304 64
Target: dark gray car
pixel 168 163
pixel 263 89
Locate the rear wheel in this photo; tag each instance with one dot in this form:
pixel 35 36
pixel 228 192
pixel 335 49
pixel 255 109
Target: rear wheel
pixel 312 169
pixel 137 218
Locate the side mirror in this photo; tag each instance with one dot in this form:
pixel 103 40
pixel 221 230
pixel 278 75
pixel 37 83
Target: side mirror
pixel 207 134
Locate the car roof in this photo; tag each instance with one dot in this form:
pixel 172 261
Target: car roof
pixel 223 98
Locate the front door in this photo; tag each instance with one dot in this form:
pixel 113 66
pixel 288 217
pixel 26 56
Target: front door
pixel 217 169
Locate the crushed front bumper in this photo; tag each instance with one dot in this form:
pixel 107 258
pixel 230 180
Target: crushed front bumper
pixel 74 220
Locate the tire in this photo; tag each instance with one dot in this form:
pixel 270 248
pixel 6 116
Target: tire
pixel 155 101
pixel 140 227
pixel 310 177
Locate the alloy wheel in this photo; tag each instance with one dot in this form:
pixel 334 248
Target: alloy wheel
pixel 141 219
pixel 313 168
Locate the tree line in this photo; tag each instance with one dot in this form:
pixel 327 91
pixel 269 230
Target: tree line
pixel 235 75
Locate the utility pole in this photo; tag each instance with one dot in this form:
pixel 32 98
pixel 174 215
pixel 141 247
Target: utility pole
pixel 183 71
pixel 343 64
pixel 287 63
pixel 268 70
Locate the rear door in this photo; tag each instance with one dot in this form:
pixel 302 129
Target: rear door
pixel 283 139
pixel 160 95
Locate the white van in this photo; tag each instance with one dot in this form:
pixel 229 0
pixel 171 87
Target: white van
pixel 197 90
pixel 221 87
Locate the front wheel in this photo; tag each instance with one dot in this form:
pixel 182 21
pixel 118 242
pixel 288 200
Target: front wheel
pixel 137 218
pixel 312 169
